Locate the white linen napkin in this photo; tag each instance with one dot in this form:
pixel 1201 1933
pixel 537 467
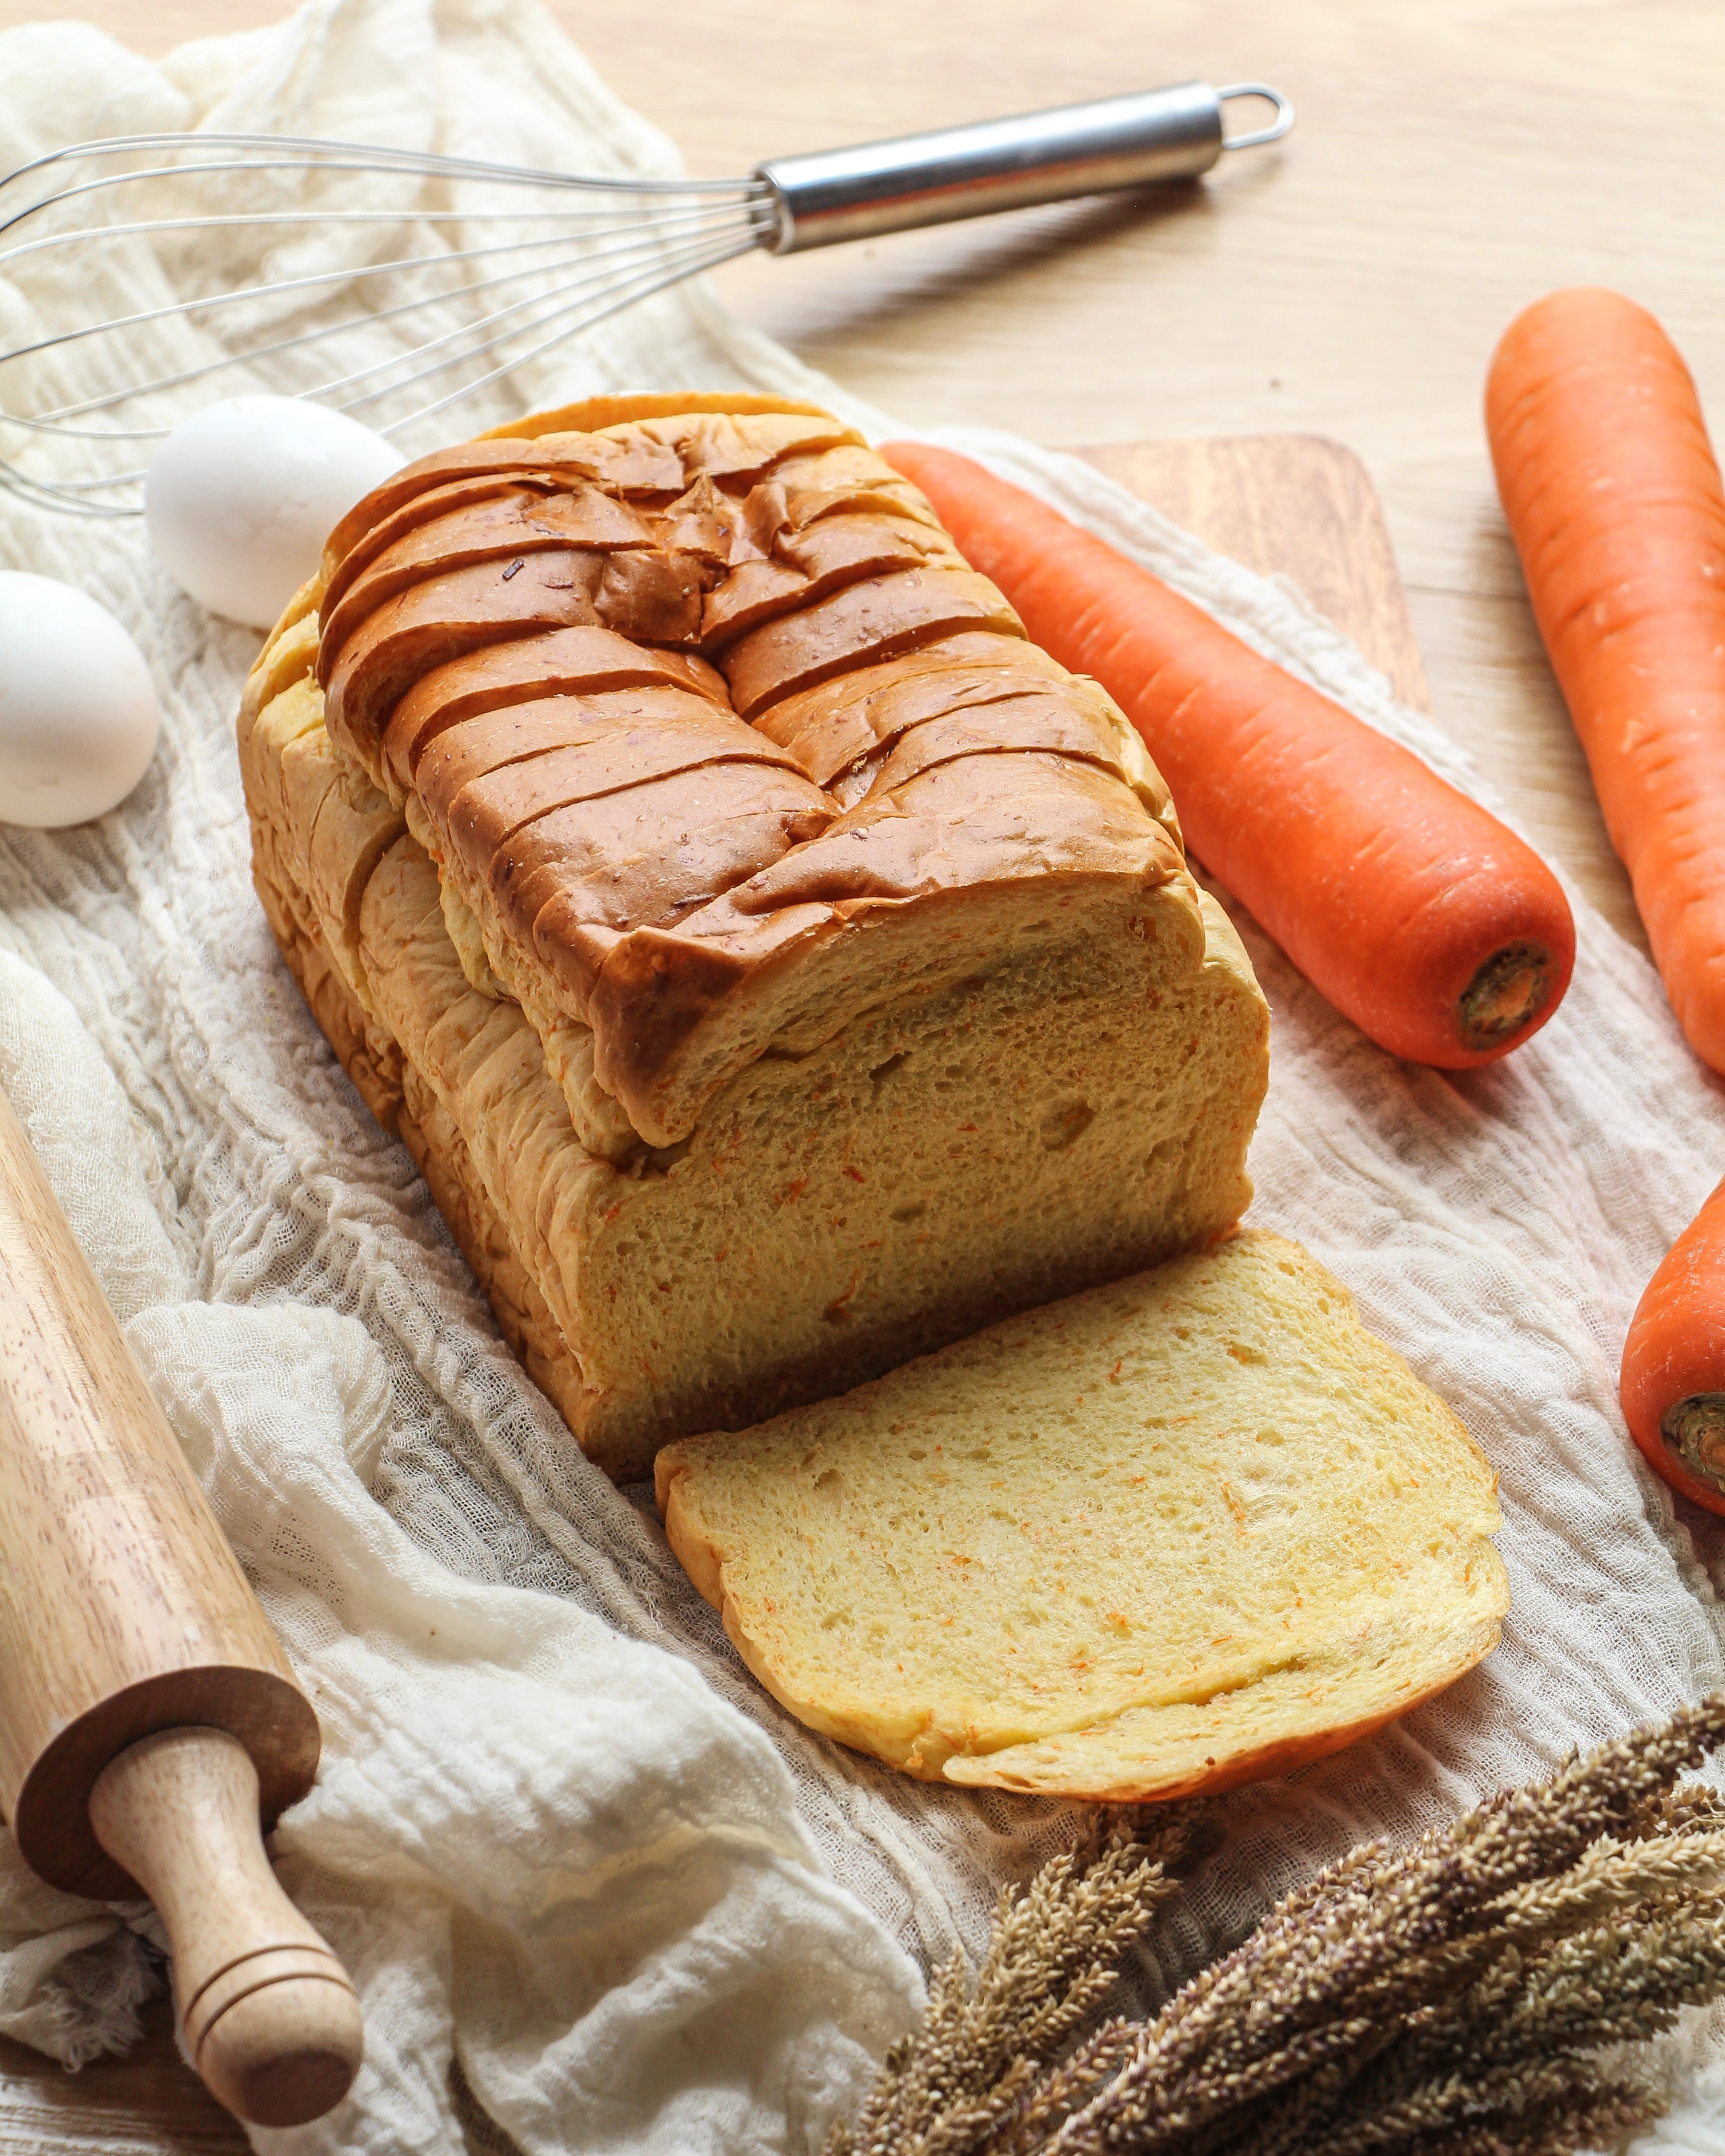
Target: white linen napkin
pixel 594 1887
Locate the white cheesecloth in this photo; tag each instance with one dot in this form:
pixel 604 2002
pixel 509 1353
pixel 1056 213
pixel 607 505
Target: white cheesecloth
pixel 593 1885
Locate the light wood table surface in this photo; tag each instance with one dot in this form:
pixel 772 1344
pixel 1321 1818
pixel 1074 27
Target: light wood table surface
pixel 1452 160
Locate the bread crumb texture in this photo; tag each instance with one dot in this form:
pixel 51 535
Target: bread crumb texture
pixel 1166 1536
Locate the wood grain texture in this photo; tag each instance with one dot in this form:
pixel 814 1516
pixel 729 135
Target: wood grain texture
pixel 129 1644
pixel 269 2013
pixel 148 2103
pixel 122 1609
pixel 1290 505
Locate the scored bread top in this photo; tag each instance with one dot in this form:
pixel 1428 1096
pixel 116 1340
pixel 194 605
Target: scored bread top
pixel 714 736
pixel 1159 1538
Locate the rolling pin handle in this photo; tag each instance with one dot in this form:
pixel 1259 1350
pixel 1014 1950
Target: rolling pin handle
pixel 269 2017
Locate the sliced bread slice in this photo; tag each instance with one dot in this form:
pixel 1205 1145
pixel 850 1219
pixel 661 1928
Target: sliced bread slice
pixel 1165 1536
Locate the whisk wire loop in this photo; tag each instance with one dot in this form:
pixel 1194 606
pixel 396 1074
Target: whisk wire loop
pixel 504 264
pixel 498 267
pixel 210 302
pixel 590 316
pixel 310 153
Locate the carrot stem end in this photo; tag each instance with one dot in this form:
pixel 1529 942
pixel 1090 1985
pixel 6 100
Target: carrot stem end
pixel 1695 1430
pixel 1507 994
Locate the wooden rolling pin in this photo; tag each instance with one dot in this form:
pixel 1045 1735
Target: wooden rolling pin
pixel 150 1729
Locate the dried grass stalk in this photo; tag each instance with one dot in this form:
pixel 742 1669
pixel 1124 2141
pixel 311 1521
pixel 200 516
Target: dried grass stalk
pixel 1052 1961
pixel 1457 1997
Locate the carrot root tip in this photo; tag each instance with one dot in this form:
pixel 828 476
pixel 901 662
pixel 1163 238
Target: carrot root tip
pixel 1695 1430
pixel 1508 993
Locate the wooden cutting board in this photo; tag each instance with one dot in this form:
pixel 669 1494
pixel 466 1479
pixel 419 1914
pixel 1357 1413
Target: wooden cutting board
pixel 1296 505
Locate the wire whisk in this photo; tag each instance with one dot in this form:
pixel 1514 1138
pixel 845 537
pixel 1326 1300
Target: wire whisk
pixel 144 276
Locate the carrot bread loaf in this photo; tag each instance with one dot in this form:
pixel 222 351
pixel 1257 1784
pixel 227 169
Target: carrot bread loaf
pixel 1176 1532
pixel 778 966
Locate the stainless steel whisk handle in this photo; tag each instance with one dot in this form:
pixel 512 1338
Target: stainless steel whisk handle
pixel 952 172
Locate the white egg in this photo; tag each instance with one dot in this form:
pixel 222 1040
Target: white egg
pixel 78 711
pixel 241 496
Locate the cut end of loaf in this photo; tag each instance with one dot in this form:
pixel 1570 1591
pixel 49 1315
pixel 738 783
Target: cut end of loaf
pixel 1160 1538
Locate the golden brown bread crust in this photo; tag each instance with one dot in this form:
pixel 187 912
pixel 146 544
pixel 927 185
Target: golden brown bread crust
pixel 757 558
pixel 585 663
pixel 638 456
pixel 617 408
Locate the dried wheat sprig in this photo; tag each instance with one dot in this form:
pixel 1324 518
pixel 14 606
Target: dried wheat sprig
pixel 1558 2129
pixel 1503 2099
pixel 1638 1880
pixel 1610 1876
pixel 1442 1999
pixel 1691 1808
pixel 1062 2088
pixel 1053 1959
pixel 949 2086
pixel 1366 1940
pixel 1620 1983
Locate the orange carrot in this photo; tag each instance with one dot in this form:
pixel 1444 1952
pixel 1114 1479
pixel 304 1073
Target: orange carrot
pixel 1613 497
pixel 1434 928
pixel 1673 1381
